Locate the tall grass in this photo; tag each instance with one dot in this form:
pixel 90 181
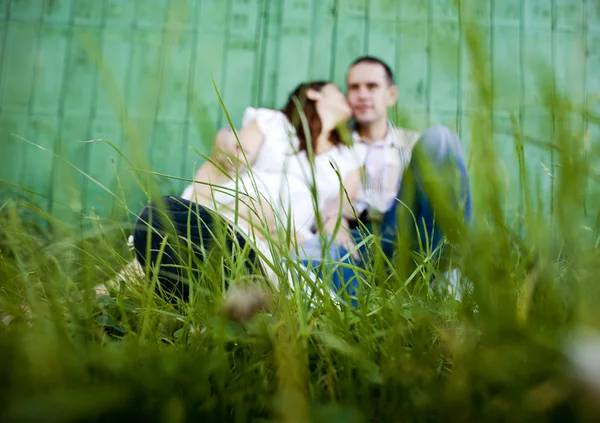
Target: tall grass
pixel 407 353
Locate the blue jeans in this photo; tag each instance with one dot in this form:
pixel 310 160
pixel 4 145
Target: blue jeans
pixel 433 203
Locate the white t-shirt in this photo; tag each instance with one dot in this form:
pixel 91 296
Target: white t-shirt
pixel 283 178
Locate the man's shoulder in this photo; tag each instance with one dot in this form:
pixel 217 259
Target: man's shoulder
pixel 405 138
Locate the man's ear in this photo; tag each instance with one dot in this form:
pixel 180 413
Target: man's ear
pixel 313 94
pixel 392 95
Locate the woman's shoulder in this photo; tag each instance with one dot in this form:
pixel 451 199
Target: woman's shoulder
pixel 278 132
pixel 264 117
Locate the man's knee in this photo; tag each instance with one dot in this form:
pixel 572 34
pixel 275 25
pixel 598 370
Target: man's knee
pixel 439 144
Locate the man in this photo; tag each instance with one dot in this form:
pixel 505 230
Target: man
pixel 416 190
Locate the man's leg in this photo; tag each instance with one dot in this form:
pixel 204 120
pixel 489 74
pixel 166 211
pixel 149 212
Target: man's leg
pixel 336 264
pixel 434 198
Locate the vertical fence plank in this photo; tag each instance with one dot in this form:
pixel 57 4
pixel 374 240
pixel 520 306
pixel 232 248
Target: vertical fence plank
pixel 81 71
pixel 12 157
pixel 273 55
pixel 36 172
pixel 382 31
pixel 350 37
pixel 294 37
pixel 49 69
pixel 537 125
pixel 57 11
pixel 592 93
pixel 67 183
pixel 322 34
pixel 25 10
pixel 88 13
pixel 166 152
pixel 241 52
pixel 101 166
pixel 411 64
pixel 205 109
pixel 506 97
pixel 19 64
pixel 4 5
pixel 116 55
pixel 444 48
pixel 257 50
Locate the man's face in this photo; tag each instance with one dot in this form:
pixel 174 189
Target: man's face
pixel 370 93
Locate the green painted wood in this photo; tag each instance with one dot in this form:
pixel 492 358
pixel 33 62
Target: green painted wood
pixel 592 11
pixel 295 36
pixel 239 73
pixel 102 166
pixel 4 5
pixel 267 95
pixel 120 13
pixel 261 37
pixel 67 183
pixel 25 10
pixel 414 10
pixel 12 157
pixel 89 13
pixel 167 143
pixel 322 41
pixel 116 49
pixel 507 95
pixel 36 169
pixel 351 37
pixel 159 57
pixel 204 107
pixel 507 76
pixel 381 37
pixel 18 66
pixel 49 68
pixel 411 72
pixel 57 11
pixel 80 72
pixel 444 68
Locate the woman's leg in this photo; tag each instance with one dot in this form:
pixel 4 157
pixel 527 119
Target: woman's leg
pixel 187 234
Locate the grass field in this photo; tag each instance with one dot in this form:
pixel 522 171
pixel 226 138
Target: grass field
pixel 510 350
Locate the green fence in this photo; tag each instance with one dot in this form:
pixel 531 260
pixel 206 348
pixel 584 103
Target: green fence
pixel 138 74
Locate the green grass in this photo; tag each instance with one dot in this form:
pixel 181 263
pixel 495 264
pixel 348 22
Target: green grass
pixel 407 354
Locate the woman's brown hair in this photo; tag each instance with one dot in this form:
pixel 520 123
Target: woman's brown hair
pixel 309 110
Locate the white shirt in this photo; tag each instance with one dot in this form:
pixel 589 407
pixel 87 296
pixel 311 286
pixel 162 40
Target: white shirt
pixel 385 162
pixel 283 177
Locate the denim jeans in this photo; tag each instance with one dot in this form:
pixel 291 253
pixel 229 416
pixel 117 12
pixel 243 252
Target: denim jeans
pixel 413 216
pixel 176 239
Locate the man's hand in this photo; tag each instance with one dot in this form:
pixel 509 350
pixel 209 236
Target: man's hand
pixel 343 236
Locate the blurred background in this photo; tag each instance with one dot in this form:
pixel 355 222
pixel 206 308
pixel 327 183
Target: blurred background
pixel 139 74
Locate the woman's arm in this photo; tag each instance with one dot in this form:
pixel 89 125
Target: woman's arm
pixel 229 153
pixel 352 186
pixel 227 156
pixel 331 212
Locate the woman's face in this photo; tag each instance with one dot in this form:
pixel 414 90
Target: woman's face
pixel 332 106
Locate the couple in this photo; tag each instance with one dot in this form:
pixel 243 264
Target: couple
pixel 288 164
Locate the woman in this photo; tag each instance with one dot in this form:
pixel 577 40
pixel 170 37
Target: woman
pixel 287 164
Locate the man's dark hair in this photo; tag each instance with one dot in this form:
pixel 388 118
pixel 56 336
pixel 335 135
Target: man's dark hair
pixel 374 60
